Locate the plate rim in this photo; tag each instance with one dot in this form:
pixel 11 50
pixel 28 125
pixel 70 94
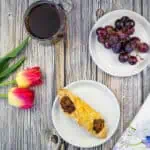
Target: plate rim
pixel 91 51
pixel 108 90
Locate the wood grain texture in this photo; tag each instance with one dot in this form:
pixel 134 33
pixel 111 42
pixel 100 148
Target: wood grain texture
pixel 145 76
pixel 67 61
pixel 78 63
pixel 125 89
pixel 22 130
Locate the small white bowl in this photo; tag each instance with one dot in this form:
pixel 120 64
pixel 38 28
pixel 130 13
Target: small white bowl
pixel 108 61
pixel 98 97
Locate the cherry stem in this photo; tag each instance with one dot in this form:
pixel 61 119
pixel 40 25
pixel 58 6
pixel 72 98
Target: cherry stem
pixel 12 82
pixel 136 144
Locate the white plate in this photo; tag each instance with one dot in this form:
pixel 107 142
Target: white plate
pixel 106 59
pixel 100 98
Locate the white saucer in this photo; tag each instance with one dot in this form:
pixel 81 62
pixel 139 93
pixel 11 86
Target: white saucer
pixel 105 59
pixel 97 96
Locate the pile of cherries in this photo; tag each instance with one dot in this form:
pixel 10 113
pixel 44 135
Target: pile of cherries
pixel 119 39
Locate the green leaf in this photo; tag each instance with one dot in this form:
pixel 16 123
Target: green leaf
pixel 13 53
pixel 4 78
pixel 6 65
pixel 18 49
pixel 5 74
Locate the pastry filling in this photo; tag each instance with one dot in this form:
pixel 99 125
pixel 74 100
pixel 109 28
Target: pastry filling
pixel 98 125
pixel 67 105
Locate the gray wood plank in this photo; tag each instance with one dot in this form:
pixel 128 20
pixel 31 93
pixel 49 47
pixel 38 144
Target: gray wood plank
pixel 125 89
pixel 19 129
pixel 77 55
pixel 61 64
pixel 78 63
pixel 93 18
pixel 96 6
pixel 146 72
pixel 102 76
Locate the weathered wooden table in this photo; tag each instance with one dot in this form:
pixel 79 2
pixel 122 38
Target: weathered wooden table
pixel 67 61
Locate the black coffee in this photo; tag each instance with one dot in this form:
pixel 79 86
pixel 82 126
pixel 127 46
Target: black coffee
pixel 43 21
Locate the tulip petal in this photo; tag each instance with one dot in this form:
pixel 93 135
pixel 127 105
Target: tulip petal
pixel 29 77
pixel 21 97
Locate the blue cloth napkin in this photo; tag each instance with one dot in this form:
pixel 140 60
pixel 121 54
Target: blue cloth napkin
pixel 137 135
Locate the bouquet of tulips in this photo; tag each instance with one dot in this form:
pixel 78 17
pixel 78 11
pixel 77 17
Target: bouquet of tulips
pixel 20 96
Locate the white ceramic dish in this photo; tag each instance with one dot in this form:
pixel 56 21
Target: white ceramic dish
pixel 100 98
pixel 105 59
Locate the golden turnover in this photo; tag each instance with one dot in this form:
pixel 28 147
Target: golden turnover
pixel 85 116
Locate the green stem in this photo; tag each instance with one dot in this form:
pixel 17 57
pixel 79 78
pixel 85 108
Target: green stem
pixel 12 82
pixel 136 144
pixel 132 128
pixel 3 95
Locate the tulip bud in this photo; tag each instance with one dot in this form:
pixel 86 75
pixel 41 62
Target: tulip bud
pixel 21 97
pixel 29 77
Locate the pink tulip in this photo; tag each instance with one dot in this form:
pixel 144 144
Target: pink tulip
pixel 29 77
pixel 26 78
pixel 21 97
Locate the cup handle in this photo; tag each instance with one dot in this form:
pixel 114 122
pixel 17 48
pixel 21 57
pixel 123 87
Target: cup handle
pixel 67 5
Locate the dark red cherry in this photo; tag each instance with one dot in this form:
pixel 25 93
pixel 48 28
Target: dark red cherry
pixel 130 31
pixel 100 30
pixel 116 48
pixel 143 47
pixel 122 35
pixel 113 38
pixel 109 29
pixel 107 44
pixel 128 48
pixel 129 24
pixel 123 57
pixel 100 39
pixel 119 24
pixel 132 60
pixel 135 41
pixel 125 18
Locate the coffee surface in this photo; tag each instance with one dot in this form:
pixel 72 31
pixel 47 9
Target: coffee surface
pixel 43 21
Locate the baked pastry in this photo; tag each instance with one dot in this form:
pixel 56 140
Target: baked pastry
pixel 84 115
